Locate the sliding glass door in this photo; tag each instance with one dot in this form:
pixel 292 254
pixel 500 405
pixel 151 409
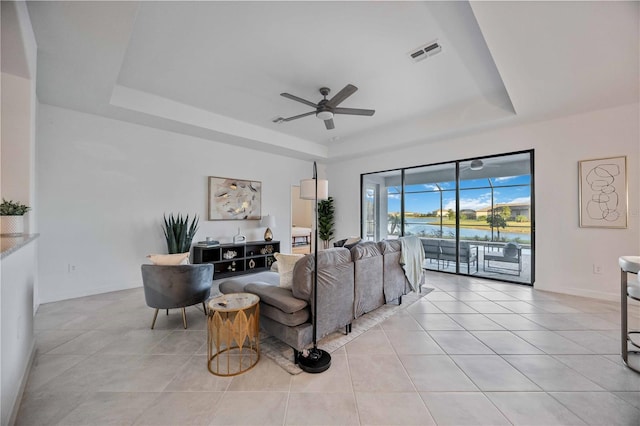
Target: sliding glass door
pixel 474 217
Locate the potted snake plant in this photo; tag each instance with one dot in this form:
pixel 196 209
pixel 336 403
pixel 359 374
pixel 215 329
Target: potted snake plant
pixel 179 232
pixel 12 217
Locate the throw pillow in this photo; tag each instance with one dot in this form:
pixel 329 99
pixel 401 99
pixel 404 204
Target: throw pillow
pixel 286 263
pixel 352 241
pixel 169 259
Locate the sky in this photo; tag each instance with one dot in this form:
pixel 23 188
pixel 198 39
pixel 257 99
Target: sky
pixel 474 194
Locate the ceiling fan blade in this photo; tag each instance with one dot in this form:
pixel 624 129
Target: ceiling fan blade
pixel 295 98
pixel 329 124
pixel 347 91
pixel 354 111
pixel 295 117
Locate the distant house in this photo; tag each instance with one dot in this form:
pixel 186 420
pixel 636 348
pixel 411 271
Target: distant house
pixel 468 213
pixel 517 209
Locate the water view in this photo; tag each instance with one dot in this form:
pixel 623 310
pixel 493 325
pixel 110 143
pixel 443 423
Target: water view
pixel 421 227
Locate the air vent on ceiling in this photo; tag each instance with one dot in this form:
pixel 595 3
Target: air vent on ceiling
pixel 425 51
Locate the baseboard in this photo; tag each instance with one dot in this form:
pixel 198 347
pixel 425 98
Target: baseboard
pixel 91 292
pixel 591 294
pixel 23 383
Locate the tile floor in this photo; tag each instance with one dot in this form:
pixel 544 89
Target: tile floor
pixel 471 352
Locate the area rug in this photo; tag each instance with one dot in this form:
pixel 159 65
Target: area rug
pixel 282 354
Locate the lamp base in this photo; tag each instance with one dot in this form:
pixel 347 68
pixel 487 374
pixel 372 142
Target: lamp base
pixel 268 235
pixel 316 361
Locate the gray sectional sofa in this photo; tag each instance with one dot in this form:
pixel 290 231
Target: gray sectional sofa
pixel 350 284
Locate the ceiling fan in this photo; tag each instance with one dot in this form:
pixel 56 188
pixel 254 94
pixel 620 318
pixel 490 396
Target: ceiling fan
pixel 326 108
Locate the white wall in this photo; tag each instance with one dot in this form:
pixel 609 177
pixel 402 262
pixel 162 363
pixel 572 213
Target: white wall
pixel 565 253
pixel 104 185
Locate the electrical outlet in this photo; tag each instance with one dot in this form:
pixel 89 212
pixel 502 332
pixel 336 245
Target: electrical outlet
pixel 71 268
pixel 597 269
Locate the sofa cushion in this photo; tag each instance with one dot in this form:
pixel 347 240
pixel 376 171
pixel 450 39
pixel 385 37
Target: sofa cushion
pixel 329 262
pixel 286 263
pixel 279 297
pixel 169 259
pixel 291 320
pixel 364 250
pixel 237 284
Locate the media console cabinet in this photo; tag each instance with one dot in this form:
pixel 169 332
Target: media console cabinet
pixel 237 259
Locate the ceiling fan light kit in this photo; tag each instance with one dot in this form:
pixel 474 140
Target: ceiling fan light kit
pixel 327 108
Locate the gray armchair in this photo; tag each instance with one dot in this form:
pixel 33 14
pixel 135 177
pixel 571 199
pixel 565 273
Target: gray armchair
pixel 176 286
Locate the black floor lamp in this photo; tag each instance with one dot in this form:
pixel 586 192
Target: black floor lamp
pixel 314 360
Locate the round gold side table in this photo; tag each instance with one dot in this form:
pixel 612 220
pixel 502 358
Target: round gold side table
pixel 233 343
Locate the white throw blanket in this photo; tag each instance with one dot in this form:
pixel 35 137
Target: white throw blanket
pixel 411 259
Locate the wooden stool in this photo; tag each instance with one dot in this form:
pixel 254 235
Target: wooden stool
pixel 628 265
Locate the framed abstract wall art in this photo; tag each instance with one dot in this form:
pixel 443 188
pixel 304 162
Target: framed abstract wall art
pixel 234 199
pixel 603 192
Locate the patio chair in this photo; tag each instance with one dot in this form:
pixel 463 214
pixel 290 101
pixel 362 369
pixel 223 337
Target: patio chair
pixel 502 253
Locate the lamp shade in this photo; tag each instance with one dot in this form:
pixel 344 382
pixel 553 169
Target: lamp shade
pixel 308 189
pixel 268 221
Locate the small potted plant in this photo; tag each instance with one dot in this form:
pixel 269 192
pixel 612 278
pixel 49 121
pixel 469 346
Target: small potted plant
pixel 12 217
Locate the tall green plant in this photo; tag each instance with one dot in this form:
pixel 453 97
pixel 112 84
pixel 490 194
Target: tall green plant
pixel 326 220
pixel 179 233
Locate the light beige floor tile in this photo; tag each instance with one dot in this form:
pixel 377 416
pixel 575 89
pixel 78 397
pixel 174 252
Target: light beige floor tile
pixel 181 408
pixel 398 408
pixel 47 408
pixel 533 408
pixel 371 341
pixel 47 340
pixel 599 408
pixel 47 367
pixel 610 375
pixel 436 373
pixel 195 377
pixel 146 373
pixel 378 373
pixel 492 373
pixel 550 374
pixel 459 342
pixel 265 376
pixel 110 408
pixel 465 296
pixel 87 343
pixel 91 374
pixel 594 341
pixel 136 342
pixel 496 295
pixel 520 307
pixel 401 321
pixel 505 342
pixel 336 379
pixel 423 307
pixel 555 321
pixel 413 343
pixel 251 408
pixel 440 296
pixel 552 343
pixel 321 409
pixel 592 322
pixel 632 398
pixel 554 307
pixel 475 322
pixel 455 307
pixel 514 322
pixel 487 307
pixel 463 409
pixel 437 322
pixel 181 342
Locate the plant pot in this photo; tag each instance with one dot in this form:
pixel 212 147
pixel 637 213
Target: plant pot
pixel 11 225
